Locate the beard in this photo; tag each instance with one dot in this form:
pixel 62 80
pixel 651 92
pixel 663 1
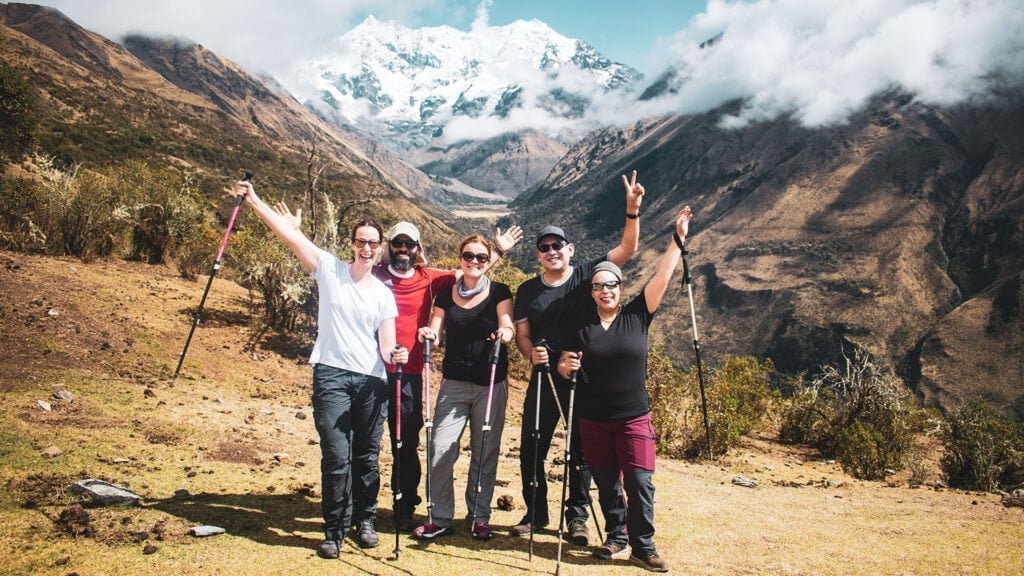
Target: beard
pixel 401 265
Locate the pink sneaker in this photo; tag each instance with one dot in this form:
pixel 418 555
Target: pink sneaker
pixel 482 531
pixel 430 531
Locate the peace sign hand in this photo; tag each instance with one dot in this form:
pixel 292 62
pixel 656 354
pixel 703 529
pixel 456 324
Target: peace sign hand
pixel 634 193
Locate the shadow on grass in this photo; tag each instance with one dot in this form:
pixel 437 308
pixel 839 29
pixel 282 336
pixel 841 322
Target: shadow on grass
pixel 294 520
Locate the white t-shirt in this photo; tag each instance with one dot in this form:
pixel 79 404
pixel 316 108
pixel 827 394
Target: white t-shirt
pixel 349 317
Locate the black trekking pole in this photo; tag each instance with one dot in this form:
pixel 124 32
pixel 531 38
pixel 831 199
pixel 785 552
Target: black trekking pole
pixel 565 469
pixel 429 425
pixel 494 357
pixel 696 344
pixel 396 439
pixel 534 485
pixel 216 266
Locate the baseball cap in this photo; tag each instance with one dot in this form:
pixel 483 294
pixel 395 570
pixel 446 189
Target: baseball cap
pixel 552 231
pixel 407 228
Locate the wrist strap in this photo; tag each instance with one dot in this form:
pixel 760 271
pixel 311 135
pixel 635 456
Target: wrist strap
pixel 632 216
pixel 499 251
pixel 679 242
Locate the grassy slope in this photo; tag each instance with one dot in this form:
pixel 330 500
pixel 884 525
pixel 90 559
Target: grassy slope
pixel 119 330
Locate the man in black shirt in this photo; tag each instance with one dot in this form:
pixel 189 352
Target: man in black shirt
pixel 541 310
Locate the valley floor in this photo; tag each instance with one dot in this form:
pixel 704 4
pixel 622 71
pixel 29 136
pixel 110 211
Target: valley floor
pixel 236 432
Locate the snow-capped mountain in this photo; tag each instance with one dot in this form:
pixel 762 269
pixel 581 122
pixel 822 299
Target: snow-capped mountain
pixel 410 86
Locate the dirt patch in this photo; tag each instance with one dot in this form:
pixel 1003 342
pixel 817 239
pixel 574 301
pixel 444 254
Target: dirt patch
pixel 75 521
pixel 235 452
pixel 73 415
pixel 44 489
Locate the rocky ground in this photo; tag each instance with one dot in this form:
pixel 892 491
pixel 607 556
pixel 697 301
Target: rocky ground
pixel 84 393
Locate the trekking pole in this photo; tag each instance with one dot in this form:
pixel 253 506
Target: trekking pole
pixel 541 369
pixel 494 357
pixel 696 345
pixel 429 425
pixel 582 465
pixel 396 439
pixel 216 266
pixel 565 470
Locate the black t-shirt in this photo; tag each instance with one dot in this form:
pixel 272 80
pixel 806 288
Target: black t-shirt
pixel 548 308
pixel 612 381
pixel 466 336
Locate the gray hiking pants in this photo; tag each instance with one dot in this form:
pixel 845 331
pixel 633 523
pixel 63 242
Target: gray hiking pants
pixel 459 402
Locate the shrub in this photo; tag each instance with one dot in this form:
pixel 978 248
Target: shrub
pixel 163 207
pixel 983 451
pixel 865 452
pixel 19 117
pixel 267 268
pixel 738 397
pixel 19 202
pixel 862 415
pixel 80 214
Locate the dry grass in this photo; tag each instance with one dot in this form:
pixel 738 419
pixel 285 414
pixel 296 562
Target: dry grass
pixel 215 431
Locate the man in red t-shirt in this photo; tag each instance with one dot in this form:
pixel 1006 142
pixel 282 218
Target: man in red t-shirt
pixel 414 286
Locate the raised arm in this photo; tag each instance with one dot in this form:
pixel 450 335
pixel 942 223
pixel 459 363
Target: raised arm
pixel 631 232
pixel 655 289
pixel 505 241
pixel 307 252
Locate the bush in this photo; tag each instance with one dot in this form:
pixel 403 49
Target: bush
pixel 163 207
pixel 19 117
pixel 864 417
pixel 865 452
pixel 79 213
pixel 738 397
pixel 268 268
pixel 983 451
pixel 19 202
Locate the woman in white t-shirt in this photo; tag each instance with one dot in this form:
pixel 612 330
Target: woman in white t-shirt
pixel 356 321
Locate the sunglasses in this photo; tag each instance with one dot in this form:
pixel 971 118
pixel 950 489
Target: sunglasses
pixel 361 242
pixel 407 244
pixel 480 257
pixel 599 286
pixel 558 245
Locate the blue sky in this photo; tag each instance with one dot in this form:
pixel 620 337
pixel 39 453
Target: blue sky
pixel 625 31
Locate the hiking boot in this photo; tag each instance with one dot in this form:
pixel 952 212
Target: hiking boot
pixel 328 549
pixel 578 533
pixel 651 561
pixel 367 534
pixel 431 531
pixel 609 551
pixel 524 528
pixel 482 531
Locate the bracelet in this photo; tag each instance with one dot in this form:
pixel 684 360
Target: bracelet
pixel 499 251
pixel 679 242
pixel 632 216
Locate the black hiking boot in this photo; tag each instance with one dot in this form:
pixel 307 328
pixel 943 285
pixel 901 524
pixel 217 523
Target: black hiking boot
pixel 366 536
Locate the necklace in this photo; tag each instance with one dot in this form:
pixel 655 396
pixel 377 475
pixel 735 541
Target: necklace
pixel 608 320
pixel 480 287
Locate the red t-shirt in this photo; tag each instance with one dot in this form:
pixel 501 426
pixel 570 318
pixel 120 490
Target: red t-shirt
pixel 413 295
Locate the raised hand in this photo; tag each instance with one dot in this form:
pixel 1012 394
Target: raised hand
pixel 683 218
pixel 634 193
pixel 242 188
pixel 507 240
pixel 294 219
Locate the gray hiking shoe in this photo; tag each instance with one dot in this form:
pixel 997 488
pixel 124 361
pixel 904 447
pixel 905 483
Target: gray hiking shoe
pixel 578 533
pixel 367 534
pixel 329 549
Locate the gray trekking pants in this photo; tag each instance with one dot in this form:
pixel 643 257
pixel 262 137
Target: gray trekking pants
pixel 459 402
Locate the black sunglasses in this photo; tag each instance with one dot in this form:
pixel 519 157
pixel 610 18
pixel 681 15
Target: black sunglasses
pixel 557 245
pixel 360 242
pixel 480 257
pixel 599 286
pixel 407 244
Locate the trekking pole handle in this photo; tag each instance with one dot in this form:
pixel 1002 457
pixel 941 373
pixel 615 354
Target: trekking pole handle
pixel 495 351
pixel 247 177
pixel 541 342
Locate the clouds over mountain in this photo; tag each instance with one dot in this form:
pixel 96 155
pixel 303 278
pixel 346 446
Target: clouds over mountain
pixel 822 61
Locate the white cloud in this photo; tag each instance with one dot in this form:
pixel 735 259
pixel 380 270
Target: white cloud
pixel 821 61
pixel 262 35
